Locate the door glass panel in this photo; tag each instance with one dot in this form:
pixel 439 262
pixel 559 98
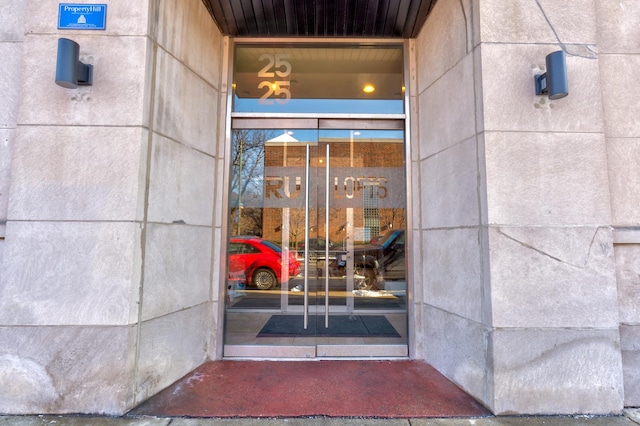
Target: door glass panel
pixel 318 79
pixel 316 262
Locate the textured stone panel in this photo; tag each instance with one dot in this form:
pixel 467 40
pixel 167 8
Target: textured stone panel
pixel 556 371
pixel 618 29
pixel 181 185
pixel 78 173
pixel 620 88
pixel 415 197
pixel 624 175
pixel 449 187
pixel 630 342
pixel 413 138
pixel 124 18
pixel 185 106
pixel 11 54
pixel 541 21
pixel 66 370
pixel 472 22
pixel 479 89
pixel 220 139
pixel 456 347
pixel 185 29
pixel 451 273
pixel 417 248
pixel 170 347
pixel 66 273
pixel 540 179
pixel 220 191
pixel 177 268
pixel 216 332
pixel 442 42
pixel 509 98
pixel 218 265
pixel 519 21
pixel 7 137
pixel 447 109
pixel 628 280
pixel 553 277
pixel 12 20
pixel 117 96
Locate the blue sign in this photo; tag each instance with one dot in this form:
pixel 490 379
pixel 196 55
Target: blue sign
pixel 72 16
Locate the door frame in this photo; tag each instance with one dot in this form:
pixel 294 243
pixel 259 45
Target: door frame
pixel 307 120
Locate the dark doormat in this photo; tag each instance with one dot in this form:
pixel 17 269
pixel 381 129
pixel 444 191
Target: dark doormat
pixel 279 389
pixel 339 326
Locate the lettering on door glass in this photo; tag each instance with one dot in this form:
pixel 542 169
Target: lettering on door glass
pixel 384 186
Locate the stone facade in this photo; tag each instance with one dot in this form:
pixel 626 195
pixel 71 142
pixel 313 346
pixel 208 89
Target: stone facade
pixel 526 225
pixel 106 278
pixel 519 279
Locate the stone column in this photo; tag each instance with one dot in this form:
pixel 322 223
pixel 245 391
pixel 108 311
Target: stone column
pixel 554 344
pixel 619 54
pixel 518 293
pixel 105 291
pixel 11 42
pixel 448 199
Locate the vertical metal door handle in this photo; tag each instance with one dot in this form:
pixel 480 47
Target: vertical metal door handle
pixel 326 244
pixel 306 242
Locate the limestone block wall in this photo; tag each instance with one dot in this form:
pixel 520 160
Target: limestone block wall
pixel 105 291
pixel 619 60
pixel 519 302
pixel 184 153
pixel 449 203
pixel 554 343
pixel 11 42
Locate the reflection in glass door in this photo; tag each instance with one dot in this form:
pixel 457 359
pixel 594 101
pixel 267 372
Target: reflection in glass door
pixel 316 259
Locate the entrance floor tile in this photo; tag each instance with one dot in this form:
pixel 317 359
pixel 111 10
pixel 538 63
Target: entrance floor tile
pixel 341 388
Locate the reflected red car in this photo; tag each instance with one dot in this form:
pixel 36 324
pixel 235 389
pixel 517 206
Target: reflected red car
pixel 258 262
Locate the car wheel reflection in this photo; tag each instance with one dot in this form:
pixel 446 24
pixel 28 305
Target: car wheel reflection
pixel 264 279
pixel 365 278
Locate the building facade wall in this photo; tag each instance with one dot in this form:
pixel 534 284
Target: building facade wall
pixel 553 281
pixel 11 43
pixel 525 211
pixel 106 276
pixel 450 241
pixel 543 336
pixel 619 59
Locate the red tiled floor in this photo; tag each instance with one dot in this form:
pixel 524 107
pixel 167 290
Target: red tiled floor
pixel 388 389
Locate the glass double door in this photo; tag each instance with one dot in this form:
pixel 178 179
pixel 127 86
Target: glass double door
pixel 316 258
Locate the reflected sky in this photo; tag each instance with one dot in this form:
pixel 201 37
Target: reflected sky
pixel 312 136
pixel 320 106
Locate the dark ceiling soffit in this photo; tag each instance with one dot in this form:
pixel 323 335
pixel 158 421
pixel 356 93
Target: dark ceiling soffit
pixel 320 18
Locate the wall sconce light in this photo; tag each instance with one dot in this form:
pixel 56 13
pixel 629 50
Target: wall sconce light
pixel 70 72
pixel 554 82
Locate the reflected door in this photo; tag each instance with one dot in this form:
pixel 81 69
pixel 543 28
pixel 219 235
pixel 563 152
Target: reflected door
pixel 316 259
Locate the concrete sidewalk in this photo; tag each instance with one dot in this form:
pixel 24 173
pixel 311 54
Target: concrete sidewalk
pixel 631 417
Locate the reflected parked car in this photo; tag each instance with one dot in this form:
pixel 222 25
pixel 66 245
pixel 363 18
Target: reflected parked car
pixel 317 245
pixel 258 262
pixel 382 260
